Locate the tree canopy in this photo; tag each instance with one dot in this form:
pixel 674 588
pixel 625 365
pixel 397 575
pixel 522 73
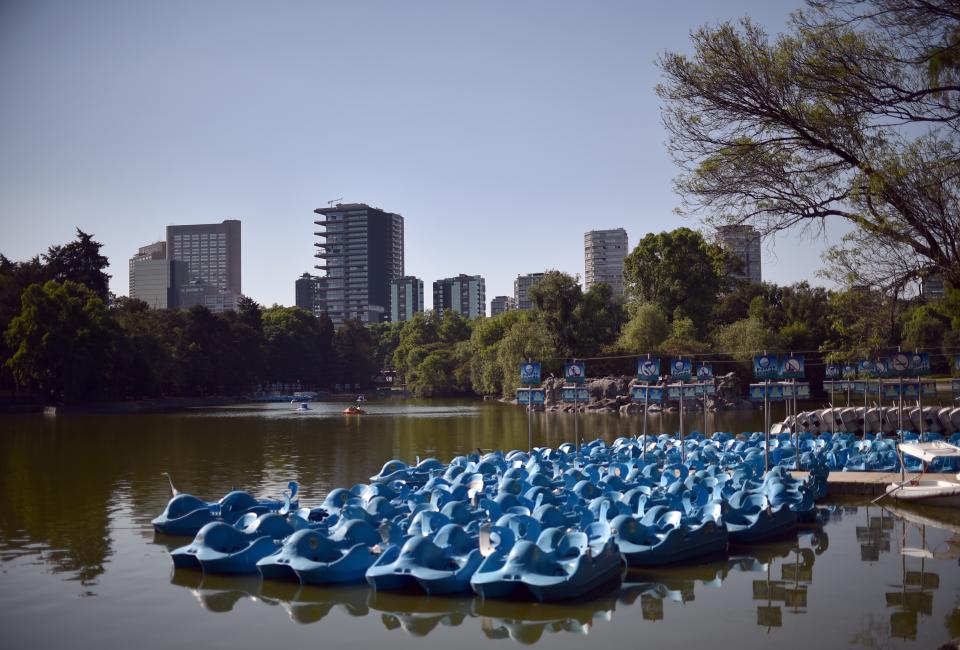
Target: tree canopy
pixel 852 115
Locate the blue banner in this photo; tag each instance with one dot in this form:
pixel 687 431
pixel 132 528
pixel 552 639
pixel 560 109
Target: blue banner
pixel 832 371
pixel 956 364
pixel 792 367
pixel 899 364
pixel 849 370
pixel 774 392
pixel 538 395
pixel 642 394
pixel 673 392
pixel 766 366
pixel 575 394
pixel 648 370
pixel 705 372
pixel 575 372
pixel 681 369
pixel 705 389
pixel 530 373
pixel 882 367
pixel 890 391
pixel 798 390
pixel 955 385
pixel 919 364
pixel 689 391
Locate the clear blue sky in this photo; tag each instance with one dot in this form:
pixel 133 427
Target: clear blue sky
pixel 500 130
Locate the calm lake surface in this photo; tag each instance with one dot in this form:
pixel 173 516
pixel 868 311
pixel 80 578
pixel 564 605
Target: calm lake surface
pixel 81 566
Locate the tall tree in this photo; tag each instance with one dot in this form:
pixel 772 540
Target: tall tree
pixel 853 115
pixel 79 261
pixel 679 271
pixel 62 341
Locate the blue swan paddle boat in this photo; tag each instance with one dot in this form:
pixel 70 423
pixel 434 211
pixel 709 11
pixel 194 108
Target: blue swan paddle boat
pixel 661 537
pixel 222 548
pixel 559 566
pixel 185 514
pixel 312 558
pixel 442 565
pixel 751 519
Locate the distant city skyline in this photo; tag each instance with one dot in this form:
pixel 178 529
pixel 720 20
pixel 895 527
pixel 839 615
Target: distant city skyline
pixel 497 139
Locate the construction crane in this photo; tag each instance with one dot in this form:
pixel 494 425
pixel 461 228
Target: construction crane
pixel 330 203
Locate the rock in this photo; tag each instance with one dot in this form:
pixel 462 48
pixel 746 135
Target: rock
pixel 630 409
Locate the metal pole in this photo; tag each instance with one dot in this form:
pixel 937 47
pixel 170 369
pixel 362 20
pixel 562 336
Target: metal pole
pixel 920 404
pixel 646 405
pixel 866 392
pixel 796 428
pixel 683 452
pixel 529 420
pixel 766 426
pixel 576 431
pixel 833 415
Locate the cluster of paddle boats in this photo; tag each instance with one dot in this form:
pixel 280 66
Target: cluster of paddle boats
pixel 551 524
pixel 875 419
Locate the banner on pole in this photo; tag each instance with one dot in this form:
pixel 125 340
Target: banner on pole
pixel 832 371
pixel 956 364
pixel 705 372
pixel 890 391
pixel 648 370
pixel 919 364
pixel 575 394
pixel 689 391
pixel 673 392
pixel 575 372
pixel 525 395
pixel 881 367
pixel 849 370
pixel 530 372
pixel 681 369
pixel 641 394
pixel 792 367
pixel 955 386
pixel 765 366
pixel 706 388
pixel 774 392
pixel 798 390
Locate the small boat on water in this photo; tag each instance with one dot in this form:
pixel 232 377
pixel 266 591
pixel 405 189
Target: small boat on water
pixel 353 410
pixel 934 492
pixel 303 406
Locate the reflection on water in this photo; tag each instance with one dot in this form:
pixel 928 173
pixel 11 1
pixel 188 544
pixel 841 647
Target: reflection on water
pixel 77 495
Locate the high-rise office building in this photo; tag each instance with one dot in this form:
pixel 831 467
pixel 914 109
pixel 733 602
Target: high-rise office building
pixel 361 249
pixel 406 298
pixel 520 287
pixel 150 275
pixel 501 304
pixel 603 252
pixel 743 242
pixel 151 252
pixel 306 292
pixel 464 294
pixel 211 253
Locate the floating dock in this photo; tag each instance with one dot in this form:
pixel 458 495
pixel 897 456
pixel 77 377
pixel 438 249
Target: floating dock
pixel 867 484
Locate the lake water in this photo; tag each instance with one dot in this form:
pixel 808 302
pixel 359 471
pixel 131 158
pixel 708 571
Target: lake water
pixel 81 566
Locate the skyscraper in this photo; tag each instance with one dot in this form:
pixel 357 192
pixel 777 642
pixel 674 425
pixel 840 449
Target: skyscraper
pixel 211 251
pixel 603 252
pixel 464 294
pixel 150 279
pixel 520 287
pixel 501 304
pixel 306 292
pixel 361 251
pixel 406 298
pixel 743 242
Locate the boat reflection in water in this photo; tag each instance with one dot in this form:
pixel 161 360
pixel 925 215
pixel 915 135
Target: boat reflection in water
pixel 786 567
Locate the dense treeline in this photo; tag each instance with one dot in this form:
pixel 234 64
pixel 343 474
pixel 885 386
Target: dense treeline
pixel 66 338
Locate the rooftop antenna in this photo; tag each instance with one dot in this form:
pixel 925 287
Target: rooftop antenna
pixel 330 203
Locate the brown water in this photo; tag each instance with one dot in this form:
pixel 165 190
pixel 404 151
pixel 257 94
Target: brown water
pixel 81 567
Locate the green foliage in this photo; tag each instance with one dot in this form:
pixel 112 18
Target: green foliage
pixel 354 348
pixel 683 338
pixel 79 261
pixel 680 272
pixel 646 330
pixel 296 348
pixel 62 341
pixel 744 338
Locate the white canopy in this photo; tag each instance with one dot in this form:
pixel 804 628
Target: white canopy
pixel 930 451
